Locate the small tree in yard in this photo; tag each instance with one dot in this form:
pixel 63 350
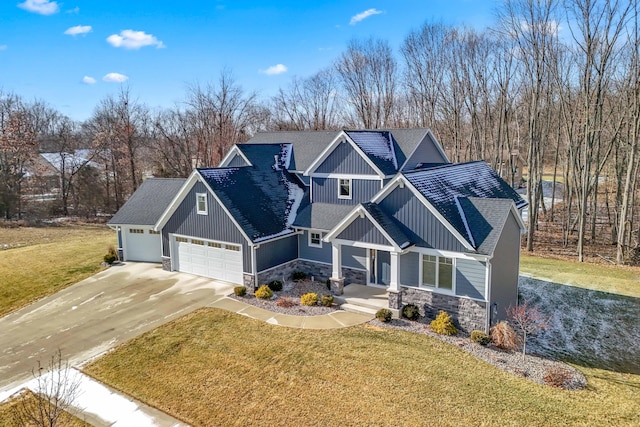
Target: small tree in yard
pixel 527 320
pixel 54 392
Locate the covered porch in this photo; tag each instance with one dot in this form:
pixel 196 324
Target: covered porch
pixel 364 299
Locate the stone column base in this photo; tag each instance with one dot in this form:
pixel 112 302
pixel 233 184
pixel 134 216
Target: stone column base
pixel 166 263
pixel 395 300
pixel 337 285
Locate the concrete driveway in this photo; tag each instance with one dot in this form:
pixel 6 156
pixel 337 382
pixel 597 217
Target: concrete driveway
pixel 97 314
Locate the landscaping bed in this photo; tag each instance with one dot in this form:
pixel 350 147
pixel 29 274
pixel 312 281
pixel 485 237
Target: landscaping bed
pixel 292 291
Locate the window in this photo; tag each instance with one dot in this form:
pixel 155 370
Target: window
pixel 214 245
pixel 197 242
pixel 136 231
pixel 153 232
pixel 315 239
pixel 182 239
pixel 232 248
pixel 437 272
pixel 201 203
pixel 344 188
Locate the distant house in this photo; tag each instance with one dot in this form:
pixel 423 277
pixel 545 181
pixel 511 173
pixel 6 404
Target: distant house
pixel 511 167
pixel 381 208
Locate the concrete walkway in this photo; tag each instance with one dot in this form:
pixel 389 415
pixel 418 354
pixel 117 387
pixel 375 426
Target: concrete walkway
pixel 334 320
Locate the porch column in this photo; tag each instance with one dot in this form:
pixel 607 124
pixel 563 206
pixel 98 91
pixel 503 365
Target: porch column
pixel 395 297
pixel 337 281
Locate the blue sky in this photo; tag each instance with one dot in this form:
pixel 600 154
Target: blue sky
pixel 72 53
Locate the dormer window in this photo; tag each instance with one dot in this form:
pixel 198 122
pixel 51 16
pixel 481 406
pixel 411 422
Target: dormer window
pixel 344 188
pixel 201 203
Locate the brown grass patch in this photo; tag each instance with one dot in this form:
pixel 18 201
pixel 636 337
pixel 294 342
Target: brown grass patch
pixel 216 368
pixel 7 419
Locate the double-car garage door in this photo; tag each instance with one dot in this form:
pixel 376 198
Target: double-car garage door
pixel 207 258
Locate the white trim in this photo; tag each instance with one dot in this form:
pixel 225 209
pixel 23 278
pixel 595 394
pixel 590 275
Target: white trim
pixel 234 150
pixel 204 211
pixel 180 195
pixel 436 143
pixel 487 294
pixel 172 241
pixel 364 245
pixel 348 176
pixel 361 211
pixel 435 290
pixel 317 262
pixel 309 239
pixel 444 291
pixel 276 266
pixel 450 254
pixel 345 196
pixel 342 137
pixel 284 236
pixel 464 220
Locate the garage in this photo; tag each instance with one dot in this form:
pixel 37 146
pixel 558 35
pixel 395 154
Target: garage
pixel 141 244
pixel 217 260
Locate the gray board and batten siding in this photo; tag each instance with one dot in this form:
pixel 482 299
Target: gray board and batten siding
pixel 276 252
pixel 362 230
pixel 418 223
pixel 216 225
pixel 237 161
pixel 504 269
pixel 345 159
pixel 325 190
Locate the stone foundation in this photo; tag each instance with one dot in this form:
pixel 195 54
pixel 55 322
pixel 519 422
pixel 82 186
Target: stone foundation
pixel 249 283
pixel 166 263
pixel 395 300
pixel 120 255
pixel 337 285
pixel 468 314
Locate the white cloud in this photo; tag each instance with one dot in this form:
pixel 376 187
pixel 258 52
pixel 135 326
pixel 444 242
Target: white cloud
pixel 90 80
pixel 3 47
pixel 43 7
pixel 115 78
pixel 364 15
pixel 74 10
pixel 78 29
pixel 130 39
pixel 274 70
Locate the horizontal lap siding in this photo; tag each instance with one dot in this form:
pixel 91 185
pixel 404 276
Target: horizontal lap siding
pixel 277 252
pixel 215 226
pixel 325 190
pixel 362 230
pixel 410 269
pixel 344 159
pixel 354 257
pixel 421 225
pixel 470 278
pixel 314 254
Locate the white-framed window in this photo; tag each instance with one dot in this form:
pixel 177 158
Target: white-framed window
pixel 136 231
pixel 201 203
pixel 437 272
pixel 153 232
pixel 344 188
pixel 315 239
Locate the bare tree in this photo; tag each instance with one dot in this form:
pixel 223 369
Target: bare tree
pixel 527 320
pixel 368 74
pixel 55 391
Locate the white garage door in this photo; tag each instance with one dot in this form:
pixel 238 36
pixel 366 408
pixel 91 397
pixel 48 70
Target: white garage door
pixel 141 244
pixel 221 261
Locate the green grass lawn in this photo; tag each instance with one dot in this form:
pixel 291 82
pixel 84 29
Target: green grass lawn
pixel 605 278
pixel 217 368
pixel 42 261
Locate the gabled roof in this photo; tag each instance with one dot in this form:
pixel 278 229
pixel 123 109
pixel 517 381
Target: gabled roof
pixel 445 187
pixel 149 201
pixel 264 198
pixel 486 219
pixel 379 146
pixel 321 216
pixel 389 224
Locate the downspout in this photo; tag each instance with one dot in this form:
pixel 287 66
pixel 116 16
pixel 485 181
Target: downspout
pixel 488 297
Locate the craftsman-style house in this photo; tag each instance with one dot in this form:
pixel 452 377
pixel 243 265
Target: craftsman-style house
pixel 380 208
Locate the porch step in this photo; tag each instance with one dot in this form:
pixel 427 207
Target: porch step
pixel 362 302
pixel 359 309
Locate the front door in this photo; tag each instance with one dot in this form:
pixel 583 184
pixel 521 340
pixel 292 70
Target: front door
pixel 378 268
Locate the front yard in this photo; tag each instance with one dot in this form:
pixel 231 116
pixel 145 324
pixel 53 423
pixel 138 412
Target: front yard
pixel 217 368
pixel 36 262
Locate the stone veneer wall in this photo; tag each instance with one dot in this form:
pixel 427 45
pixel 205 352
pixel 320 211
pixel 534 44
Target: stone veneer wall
pixel 468 314
pixel 320 272
pixel 249 282
pixel 166 263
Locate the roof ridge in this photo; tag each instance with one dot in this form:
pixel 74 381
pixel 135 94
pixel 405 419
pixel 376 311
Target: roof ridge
pixel 443 166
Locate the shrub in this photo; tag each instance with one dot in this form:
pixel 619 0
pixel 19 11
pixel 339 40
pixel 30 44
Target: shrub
pixel 264 292
pixel 309 299
pixel 240 291
pixel 503 336
pixel 480 337
pixel 411 311
pixel 285 302
pixel 111 255
pixel 298 276
pixel 443 324
pixel 275 285
pixel 327 300
pixel 557 377
pixel 384 315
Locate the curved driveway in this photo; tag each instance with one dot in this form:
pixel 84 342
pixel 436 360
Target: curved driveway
pixel 96 314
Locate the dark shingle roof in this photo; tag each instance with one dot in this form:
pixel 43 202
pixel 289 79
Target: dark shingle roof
pixel 379 146
pixel 446 186
pixel 486 219
pixel 389 224
pixel 262 198
pixel 307 145
pixel 263 155
pixel 148 202
pixel 321 216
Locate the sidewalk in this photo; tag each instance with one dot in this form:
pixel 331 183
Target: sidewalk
pixel 334 320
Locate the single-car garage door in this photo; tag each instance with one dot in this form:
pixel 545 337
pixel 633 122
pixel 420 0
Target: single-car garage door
pixel 217 260
pixel 142 244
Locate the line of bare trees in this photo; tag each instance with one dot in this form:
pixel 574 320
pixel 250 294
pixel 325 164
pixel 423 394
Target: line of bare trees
pixel 557 80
